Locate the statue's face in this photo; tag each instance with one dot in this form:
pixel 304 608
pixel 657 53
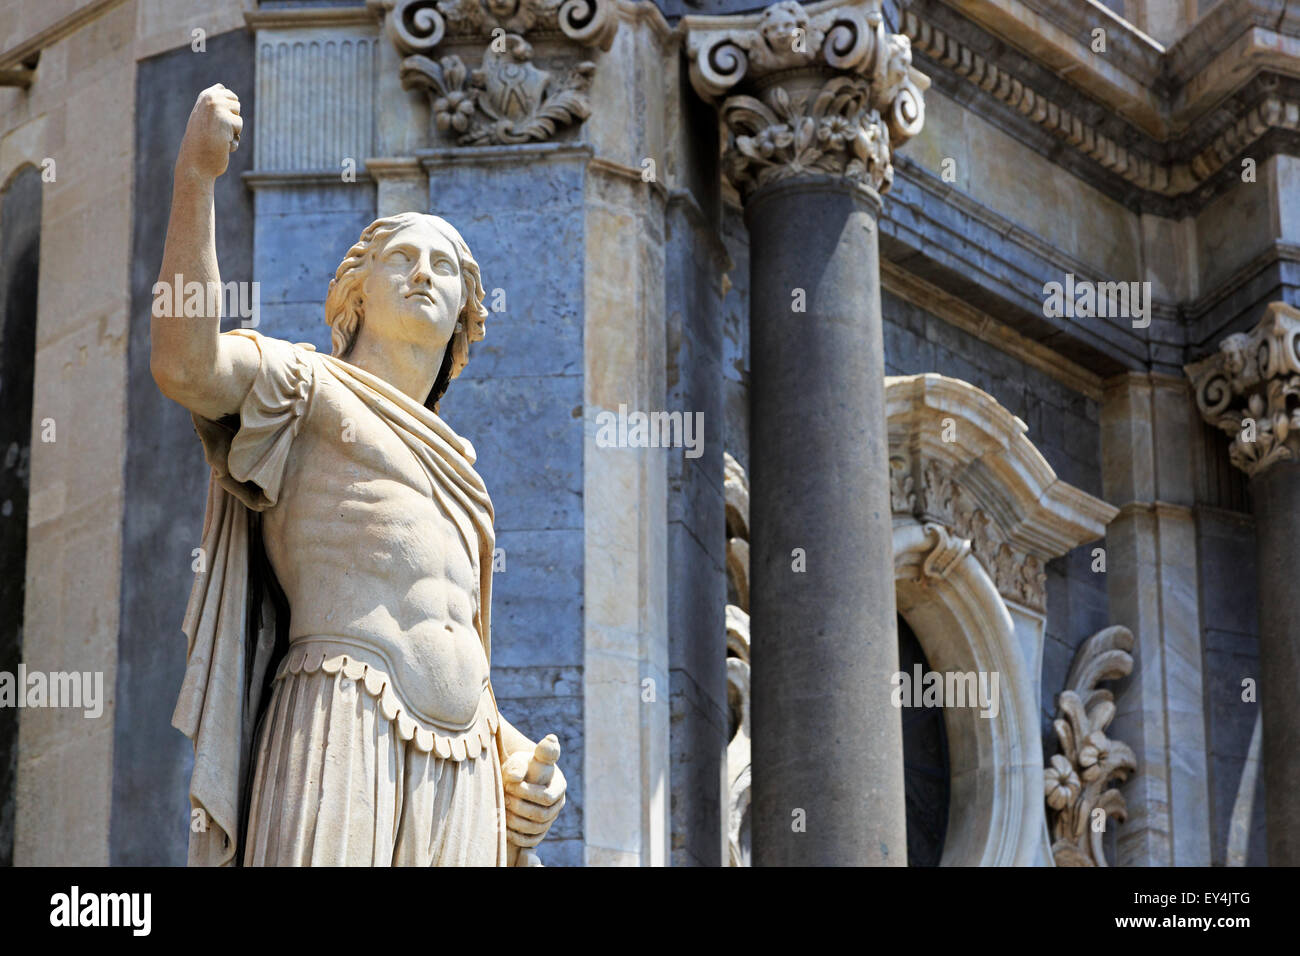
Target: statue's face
pixel 413 292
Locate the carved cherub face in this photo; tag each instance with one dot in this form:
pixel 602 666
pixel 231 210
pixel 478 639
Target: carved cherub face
pixel 414 291
pixel 502 9
pixel 781 23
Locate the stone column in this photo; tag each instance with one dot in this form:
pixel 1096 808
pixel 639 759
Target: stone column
pixel 812 106
pixel 1251 390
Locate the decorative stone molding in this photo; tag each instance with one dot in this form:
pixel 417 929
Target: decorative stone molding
pixel 995 812
pixel 824 89
pixel 948 550
pixel 319 86
pixel 1077 783
pixel 960 461
pixel 736 491
pixel 1018 575
pixel 508 98
pixel 1170 179
pixel 1250 389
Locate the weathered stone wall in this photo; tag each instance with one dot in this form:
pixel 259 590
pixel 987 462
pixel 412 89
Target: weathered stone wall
pixel 520 402
pixel 1225 542
pixel 20 252
pixel 165 474
pixel 695 260
pixel 79 112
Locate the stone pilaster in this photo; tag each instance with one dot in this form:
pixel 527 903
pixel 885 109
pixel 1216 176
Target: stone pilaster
pixel 1147 426
pixel 1251 390
pixel 813 101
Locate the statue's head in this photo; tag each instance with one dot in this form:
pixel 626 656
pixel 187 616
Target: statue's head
pixel 409 278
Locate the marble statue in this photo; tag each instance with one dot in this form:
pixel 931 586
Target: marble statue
pixel 337 684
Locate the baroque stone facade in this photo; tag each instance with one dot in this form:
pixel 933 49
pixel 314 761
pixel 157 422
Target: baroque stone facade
pixel 828 231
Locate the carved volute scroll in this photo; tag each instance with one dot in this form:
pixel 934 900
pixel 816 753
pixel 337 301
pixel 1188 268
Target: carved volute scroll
pixel 824 89
pixel 510 96
pixel 1250 389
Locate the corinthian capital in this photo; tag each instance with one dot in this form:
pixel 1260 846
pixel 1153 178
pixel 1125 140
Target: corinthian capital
pixel 1251 389
pixel 823 89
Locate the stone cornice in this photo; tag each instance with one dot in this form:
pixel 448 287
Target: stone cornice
pixel 1057 33
pixel 1250 389
pixel 271 178
pixel 1000 267
pixel 1156 509
pixel 1163 168
pixel 14 57
pixel 1205 316
pixel 301 18
pixel 1231 42
pixel 1160 91
pixel 431 159
pixel 959 459
pixel 1224 91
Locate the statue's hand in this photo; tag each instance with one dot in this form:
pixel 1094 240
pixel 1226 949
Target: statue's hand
pixel 531 808
pixel 211 134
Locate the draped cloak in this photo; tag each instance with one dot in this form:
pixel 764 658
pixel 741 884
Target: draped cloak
pixel 236 622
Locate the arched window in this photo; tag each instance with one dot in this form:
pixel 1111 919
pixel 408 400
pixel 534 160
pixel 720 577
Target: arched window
pixel 926 773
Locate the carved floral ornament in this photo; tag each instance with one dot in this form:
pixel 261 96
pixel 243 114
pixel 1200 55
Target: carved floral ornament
pixel 1077 781
pixel 1251 390
pixel 960 526
pixel 508 99
pixel 825 89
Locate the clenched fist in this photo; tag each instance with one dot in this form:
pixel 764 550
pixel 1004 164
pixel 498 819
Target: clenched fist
pixel 211 134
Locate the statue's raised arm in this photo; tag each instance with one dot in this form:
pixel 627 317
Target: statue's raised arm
pixel 190 361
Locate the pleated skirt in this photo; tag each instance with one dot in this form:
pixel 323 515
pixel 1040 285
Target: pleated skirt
pixel 366 797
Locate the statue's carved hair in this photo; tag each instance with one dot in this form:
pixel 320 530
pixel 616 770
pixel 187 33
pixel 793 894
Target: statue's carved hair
pixel 345 302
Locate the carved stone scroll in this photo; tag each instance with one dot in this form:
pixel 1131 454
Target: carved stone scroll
pixel 1250 389
pixel 509 98
pixel 1077 781
pixel 827 92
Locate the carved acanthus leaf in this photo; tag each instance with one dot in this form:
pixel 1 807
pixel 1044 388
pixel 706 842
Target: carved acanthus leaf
pixel 1017 575
pixel 902 494
pixel 864 100
pixel 508 98
pixel 1250 389
pixel 1077 781
pixel 832 130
